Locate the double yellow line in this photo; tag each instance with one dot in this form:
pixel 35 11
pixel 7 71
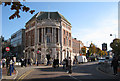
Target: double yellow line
pixel 24 75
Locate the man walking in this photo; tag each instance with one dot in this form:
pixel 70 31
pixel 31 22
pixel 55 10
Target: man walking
pixel 69 66
pixel 115 65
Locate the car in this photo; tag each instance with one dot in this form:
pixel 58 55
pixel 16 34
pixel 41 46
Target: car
pixel 101 61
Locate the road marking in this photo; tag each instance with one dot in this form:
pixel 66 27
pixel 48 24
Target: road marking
pixel 23 76
pixel 16 74
pixel 74 77
pixel 26 75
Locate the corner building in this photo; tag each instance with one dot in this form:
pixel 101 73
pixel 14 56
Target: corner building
pixel 53 37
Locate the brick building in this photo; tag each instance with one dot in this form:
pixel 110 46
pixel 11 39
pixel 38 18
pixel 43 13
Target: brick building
pixel 49 34
pixel 76 46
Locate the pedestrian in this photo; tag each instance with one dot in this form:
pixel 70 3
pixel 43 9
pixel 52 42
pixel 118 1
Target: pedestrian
pixel 22 62
pixel 50 61
pixel 13 68
pixel 45 61
pixel 29 62
pixel 7 62
pixel 69 66
pixel 64 63
pixel 115 64
pixel 3 62
pixel 25 61
pixel 54 63
pixel 37 63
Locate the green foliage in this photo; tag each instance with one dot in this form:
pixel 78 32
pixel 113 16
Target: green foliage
pixel 115 45
pixel 16 6
pixel 83 50
pixel 92 49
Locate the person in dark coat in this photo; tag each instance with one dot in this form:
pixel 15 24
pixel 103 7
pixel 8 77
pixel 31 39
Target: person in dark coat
pixel 29 62
pixel 66 64
pixel 69 66
pixel 115 65
pixel 25 61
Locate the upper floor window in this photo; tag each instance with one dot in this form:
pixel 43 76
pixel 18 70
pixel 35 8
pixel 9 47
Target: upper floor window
pixel 48 39
pixel 69 42
pixel 48 30
pixel 64 32
pixel 69 34
pixel 66 26
pixel 64 41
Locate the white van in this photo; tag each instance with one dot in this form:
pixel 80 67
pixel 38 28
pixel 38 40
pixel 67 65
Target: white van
pixel 82 59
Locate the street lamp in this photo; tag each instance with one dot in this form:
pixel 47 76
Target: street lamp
pixel 36 37
pixel 67 47
pixel 113 34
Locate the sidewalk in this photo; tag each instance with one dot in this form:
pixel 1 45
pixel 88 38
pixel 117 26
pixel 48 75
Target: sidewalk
pixel 5 76
pixel 106 68
pixel 19 71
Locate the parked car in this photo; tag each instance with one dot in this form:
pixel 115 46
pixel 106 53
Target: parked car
pixel 101 61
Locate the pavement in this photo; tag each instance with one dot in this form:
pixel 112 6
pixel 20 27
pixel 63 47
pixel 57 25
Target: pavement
pixel 5 76
pixel 19 71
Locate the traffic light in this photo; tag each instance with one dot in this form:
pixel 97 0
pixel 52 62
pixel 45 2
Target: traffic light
pixel 104 46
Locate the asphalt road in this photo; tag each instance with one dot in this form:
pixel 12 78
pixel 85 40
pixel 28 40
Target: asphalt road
pixel 82 72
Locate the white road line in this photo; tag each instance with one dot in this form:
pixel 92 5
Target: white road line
pixel 74 77
pixel 16 74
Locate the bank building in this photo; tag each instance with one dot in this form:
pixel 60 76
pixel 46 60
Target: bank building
pixel 48 34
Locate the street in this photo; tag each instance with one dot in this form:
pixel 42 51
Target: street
pixel 81 72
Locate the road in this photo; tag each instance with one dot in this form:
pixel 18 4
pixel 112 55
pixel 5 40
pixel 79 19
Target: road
pixel 82 72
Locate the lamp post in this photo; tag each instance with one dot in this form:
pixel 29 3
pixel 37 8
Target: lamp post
pixel 36 37
pixel 67 46
pixel 0 58
pixel 113 34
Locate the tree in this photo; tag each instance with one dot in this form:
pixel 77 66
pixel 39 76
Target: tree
pixel 92 49
pixel 115 45
pixel 17 6
pixel 83 50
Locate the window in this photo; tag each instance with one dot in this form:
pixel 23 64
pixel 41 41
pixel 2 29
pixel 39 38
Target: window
pixel 48 39
pixel 69 34
pixel 64 32
pixel 64 41
pixel 66 26
pixel 48 30
pixel 69 42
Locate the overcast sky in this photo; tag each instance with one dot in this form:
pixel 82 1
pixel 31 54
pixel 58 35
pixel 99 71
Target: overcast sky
pixel 91 21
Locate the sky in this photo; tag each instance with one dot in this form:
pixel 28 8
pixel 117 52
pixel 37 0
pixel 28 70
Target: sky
pixel 91 21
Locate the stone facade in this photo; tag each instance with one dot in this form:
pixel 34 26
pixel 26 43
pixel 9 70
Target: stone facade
pixel 53 37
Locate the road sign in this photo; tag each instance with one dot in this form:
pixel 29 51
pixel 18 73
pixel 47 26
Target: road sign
pixel 38 52
pixel 104 46
pixel 80 54
pixel 7 49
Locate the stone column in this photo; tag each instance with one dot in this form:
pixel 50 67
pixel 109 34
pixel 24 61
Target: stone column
pixel 55 36
pixel 42 35
pixel 38 36
pixel 58 35
pixel 52 35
